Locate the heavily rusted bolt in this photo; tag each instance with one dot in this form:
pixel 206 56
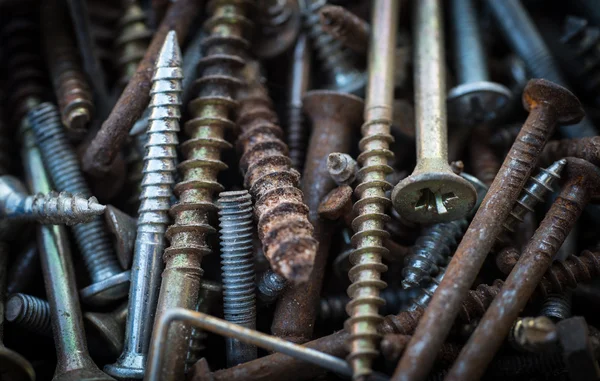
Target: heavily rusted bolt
pixel 583 181
pixel 337 203
pixel 549 105
pixel 342 168
pixel 346 27
pixel 432 193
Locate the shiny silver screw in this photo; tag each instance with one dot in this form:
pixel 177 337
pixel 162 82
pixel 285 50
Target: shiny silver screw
pixel 342 168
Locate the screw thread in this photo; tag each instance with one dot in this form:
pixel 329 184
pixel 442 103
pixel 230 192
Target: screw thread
pixel 29 312
pixel 23 60
pixel 134 160
pixel 269 286
pixel 63 167
pixel 104 19
pixel 338 62
pixel 73 92
pixel 132 42
pixel 283 225
pixel 570 272
pixel 557 306
pixel 62 208
pixel 424 294
pixel 432 250
pixel 296 136
pixel 585 41
pixel 275 14
pixel 344 26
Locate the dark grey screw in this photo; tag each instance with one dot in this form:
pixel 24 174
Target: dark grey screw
pixel 237 268
pixel 524 38
pixel 476 99
pixel 269 286
pixel 557 306
pixel 29 312
pixel 109 281
pixel 73 359
pixel 24 269
pixel 338 62
pixel 425 293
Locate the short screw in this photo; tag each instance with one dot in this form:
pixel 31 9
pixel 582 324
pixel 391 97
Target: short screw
pixel 110 282
pixel 52 208
pixel 237 269
pixel 475 99
pixel 269 286
pixel 432 193
pixel 342 168
pixel 346 27
pixel 29 312
pixel 153 213
pixel 338 63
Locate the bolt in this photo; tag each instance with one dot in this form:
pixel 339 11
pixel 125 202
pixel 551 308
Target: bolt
pixel 29 312
pixel 153 213
pixel 124 228
pixel 534 334
pixel 210 111
pixel 269 286
pixel 52 208
pixel 583 180
pixel 433 193
pixel 13 366
pixel 338 63
pixel 335 118
pixel 283 225
pixel 372 203
pixel 108 327
pixel 549 105
pixel 72 90
pixel 523 37
pixel 557 306
pixel 109 280
pixel 280 23
pixel 24 269
pixel 342 168
pixel 132 42
pixel 475 99
pixel 425 292
pixel 346 27
pixel 299 83
pixel 237 269
pixel 73 359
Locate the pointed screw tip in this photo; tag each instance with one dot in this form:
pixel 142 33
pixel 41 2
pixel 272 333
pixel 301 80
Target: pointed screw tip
pixel 170 53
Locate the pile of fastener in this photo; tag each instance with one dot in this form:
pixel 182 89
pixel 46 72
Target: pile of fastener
pixel 289 190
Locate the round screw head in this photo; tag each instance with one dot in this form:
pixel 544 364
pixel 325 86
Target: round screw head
pixel 567 107
pixel 431 197
pixel 107 291
pixel 477 102
pixel 15 367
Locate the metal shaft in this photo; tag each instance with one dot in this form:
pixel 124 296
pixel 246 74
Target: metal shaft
pixel 469 55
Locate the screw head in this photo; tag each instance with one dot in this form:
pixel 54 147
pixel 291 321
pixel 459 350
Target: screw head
pixel 432 197
pixel 15 367
pixel 477 102
pixel 567 107
pixel 129 366
pixel 325 104
pixel 105 327
pixel 108 290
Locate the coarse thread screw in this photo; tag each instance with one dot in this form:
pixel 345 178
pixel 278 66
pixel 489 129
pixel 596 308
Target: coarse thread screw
pixel 153 213
pixel 342 168
pixel 283 225
pixel 70 84
pixel 425 293
pixel 134 160
pixel 269 286
pixel 432 250
pixel 346 27
pixel 224 47
pixel 534 192
pixel 29 312
pixel 557 306
pixel 51 208
pixel 132 42
pixel 338 62
pixel 237 261
pixel 280 22
pixel 109 282
pixel 570 272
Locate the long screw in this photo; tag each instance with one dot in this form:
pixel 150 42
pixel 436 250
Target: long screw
pixel 52 208
pixel 153 213
pixel 73 359
pixel 237 268
pixel 432 193
pixel 346 27
pixel 109 281
pixel 475 99
pixel 224 48
pixel 338 63
pixel 132 42
pixel 583 181
pixel 280 23
pixel 369 225
pixel 522 35
pixel 549 105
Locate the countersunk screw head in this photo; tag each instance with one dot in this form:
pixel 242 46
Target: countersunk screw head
pixel 476 102
pixel 567 106
pixel 326 104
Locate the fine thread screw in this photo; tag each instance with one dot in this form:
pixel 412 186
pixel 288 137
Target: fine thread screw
pixel 283 225
pixel 270 285
pixel 237 269
pixel 63 167
pixel 279 24
pixel 337 61
pixel 346 27
pixel 342 168
pixel 29 312
pixel 70 84
pixel 132 42
pixel 432 250
pixel 557 306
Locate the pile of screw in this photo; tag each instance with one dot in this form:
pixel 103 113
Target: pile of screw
pixel 169 216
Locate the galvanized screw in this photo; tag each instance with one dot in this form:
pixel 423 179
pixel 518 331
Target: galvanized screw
pixel 237 261
pixel 110 282
pixel 475 99
pixel 153 213
pixel 29 312
pixel 433 193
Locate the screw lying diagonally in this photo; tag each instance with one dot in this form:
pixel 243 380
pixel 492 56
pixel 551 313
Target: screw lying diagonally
pixel 370 208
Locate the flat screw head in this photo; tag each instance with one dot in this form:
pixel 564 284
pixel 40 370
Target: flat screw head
pixel 326 104
pixel 477 102
pixel 15 367
pixel 567 107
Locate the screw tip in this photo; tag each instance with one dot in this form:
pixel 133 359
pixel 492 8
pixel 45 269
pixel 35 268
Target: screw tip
pixel 170 53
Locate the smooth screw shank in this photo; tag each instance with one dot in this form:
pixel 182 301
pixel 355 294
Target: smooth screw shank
pixel 237 268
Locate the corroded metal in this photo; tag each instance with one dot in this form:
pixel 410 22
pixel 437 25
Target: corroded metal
pixel 346 27
pixel 132 42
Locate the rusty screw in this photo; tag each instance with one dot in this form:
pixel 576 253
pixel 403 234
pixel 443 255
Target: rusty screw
pixel 343 25
pixel 549 105
pixel 433 193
